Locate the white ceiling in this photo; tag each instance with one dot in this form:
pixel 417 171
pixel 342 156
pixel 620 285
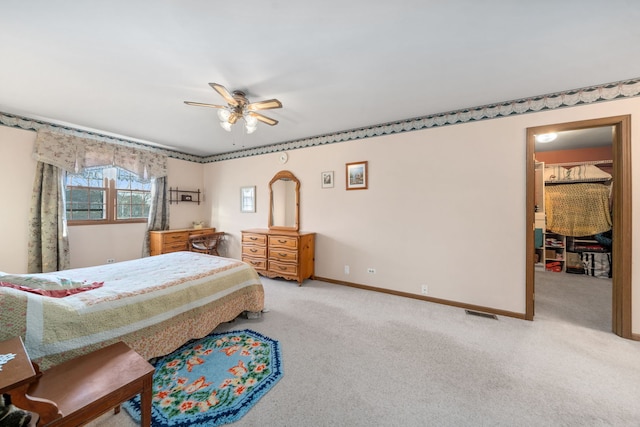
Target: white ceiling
pixel 583 138
pixel 124 67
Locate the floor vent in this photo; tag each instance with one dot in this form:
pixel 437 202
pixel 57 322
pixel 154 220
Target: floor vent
pixel 477 313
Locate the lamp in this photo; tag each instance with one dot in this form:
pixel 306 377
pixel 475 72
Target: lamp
pixel 546 137
pixel 251 123
pixel 224 114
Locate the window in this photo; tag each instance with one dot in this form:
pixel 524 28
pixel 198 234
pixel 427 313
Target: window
pixel 106 196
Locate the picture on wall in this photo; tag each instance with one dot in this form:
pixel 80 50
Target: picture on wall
pixel 248 199
pixel 357 176
pixel 327 179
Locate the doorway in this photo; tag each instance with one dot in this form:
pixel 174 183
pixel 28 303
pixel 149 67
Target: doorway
pixel 621 249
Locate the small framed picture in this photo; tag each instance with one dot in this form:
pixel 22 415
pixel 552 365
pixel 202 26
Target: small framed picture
pixel 248 199
pixel 357 176
pixel 186 198
pixel 327 179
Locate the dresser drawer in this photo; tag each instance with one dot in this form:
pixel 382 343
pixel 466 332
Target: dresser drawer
pixel 283 268
pixel 258 264
pixel 181 237
pixel 174 247
pixel 166 241
pixel 283 255
pixel 256 239
pixel 283 242
pixel 254 251
pixel 278 253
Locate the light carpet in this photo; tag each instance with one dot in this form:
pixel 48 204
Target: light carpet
pixel 361 358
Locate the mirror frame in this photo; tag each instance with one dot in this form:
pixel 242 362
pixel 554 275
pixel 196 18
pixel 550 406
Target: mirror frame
pixel 284 175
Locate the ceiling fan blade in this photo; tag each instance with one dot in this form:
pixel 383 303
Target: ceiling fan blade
pixel 233 118
pixel 200 104
pixel 263 119
pixel 264 105
pixel 224 93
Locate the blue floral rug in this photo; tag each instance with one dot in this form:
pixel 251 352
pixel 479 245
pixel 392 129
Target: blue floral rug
pixel 212 381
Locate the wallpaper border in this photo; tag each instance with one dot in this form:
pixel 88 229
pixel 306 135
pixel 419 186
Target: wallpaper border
pixel 569 98
pixel 16 121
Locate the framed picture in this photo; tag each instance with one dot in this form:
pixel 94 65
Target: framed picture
pixel 357 176
pixel 327 179
pixel 248 199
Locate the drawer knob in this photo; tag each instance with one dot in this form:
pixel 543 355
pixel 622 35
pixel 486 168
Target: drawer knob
pixel 282 255
pixel 253 250
pixel 282 241
pixel 253 238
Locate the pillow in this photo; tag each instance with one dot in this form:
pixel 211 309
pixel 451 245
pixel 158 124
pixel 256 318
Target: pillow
pixel 586 172
pixel 554 173
pixel 576 173
pixel 47 285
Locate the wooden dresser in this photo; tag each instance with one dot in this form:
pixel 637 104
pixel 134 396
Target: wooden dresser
pixel 163 242
pixel 275 253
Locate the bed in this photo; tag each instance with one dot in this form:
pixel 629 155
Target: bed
pixel 154 304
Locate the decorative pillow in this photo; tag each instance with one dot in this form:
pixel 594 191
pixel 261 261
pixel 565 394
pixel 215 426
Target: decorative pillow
pixel 47 285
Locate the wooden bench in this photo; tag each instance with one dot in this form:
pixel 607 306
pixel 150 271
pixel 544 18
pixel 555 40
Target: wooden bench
pixel 80 390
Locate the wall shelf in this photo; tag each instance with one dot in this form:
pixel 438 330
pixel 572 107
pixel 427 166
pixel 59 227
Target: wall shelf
pixel 186 196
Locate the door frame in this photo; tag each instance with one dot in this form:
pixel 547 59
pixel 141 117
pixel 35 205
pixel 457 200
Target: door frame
pixel 621 248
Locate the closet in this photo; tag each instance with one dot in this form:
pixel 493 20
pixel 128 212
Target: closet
pixel 547 290
pixel 573 217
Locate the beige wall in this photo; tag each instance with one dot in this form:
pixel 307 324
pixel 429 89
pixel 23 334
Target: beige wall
pixel 17 171
pixel 445 206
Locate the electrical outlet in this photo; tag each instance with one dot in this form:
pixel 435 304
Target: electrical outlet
pixel 425 289
pixel 111 260
pixel 371 270
pixel 346 269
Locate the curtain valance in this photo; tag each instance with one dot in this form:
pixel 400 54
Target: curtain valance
pixel 74 154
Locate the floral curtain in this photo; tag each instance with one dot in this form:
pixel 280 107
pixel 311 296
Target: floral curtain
pixel 74 154
pixel 60 152
pixel 48 242
pixel 159 212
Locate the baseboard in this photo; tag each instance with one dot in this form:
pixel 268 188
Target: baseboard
pixel 425 298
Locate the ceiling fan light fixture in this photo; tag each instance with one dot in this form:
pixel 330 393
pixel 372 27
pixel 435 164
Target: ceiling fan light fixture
pixel 226 126
pixel 239 107
pixel 250 120
pixel 224 114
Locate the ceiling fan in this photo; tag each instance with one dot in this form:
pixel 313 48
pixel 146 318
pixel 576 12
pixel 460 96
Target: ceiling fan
pixel 239 107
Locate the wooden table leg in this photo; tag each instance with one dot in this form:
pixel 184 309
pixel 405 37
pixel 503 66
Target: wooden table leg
pixel 145 400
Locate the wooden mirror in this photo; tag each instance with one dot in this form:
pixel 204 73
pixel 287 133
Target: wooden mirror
pixel 284 213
